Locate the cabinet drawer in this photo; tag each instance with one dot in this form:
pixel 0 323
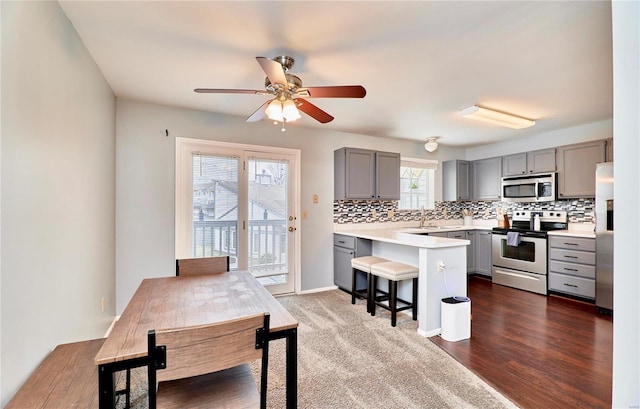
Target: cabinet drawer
pixel 582 287
pixel 572 256
pixel 581 270
pixel 572 243
pixel 341 240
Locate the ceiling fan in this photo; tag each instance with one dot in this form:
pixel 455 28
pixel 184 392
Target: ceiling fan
pixel 289 94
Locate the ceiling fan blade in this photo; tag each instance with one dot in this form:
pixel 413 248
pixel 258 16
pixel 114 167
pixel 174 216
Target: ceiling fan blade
pixel 313 111
pixel 340 91
pixel 227 91
pixel 259 113
pixel 274 71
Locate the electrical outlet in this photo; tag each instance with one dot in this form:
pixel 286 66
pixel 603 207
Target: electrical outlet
pixel 487 212
pixel 315 199
pixel 390 213
pixel 374 214
pixel 441 267
pixel 444 211
pixel 102 304
pixel 304 215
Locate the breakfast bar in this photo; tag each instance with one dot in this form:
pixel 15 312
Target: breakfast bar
pixel 441 263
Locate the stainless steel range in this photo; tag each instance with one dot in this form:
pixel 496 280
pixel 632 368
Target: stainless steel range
pixel 519 254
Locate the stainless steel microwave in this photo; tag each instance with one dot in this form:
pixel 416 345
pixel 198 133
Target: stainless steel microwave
pixel 540 187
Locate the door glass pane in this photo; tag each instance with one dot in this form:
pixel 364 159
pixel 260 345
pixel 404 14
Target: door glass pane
pixel 525 251
pixel 267 214
pixel 215 207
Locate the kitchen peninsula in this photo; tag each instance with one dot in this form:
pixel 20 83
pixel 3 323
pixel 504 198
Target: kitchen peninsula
pixel 412 246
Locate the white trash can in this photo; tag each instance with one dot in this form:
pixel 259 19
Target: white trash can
pixel 455 318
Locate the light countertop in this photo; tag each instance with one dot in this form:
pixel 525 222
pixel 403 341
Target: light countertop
pixel 406 237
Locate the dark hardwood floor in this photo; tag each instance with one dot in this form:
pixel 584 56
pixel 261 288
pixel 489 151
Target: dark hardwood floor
pixel 540 352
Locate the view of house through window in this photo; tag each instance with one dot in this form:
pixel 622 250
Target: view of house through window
pixel 417 184
pixel 235 202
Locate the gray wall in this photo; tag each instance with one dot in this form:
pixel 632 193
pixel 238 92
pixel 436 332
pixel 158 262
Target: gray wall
pixel 145 184
pixel 57 190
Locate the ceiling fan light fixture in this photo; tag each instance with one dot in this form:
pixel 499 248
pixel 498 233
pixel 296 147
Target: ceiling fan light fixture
pixel 290 111
pixel 274 111
pixel 431 144
pixel 496 118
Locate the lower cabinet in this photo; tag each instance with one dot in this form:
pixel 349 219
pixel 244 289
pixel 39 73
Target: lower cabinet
pixel 572 266
pixel 344 249
pixel 483 252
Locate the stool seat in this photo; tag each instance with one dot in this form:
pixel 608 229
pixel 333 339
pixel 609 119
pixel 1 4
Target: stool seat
pixel 364 263
pixel 394 271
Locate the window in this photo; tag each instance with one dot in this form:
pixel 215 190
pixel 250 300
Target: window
pixel 417 183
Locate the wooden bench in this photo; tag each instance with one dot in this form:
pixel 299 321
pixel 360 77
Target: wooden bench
pixel 67 378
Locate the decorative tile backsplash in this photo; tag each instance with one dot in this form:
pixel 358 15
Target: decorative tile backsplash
pixel 380 211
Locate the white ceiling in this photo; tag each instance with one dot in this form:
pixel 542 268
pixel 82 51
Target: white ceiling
pixel 420 62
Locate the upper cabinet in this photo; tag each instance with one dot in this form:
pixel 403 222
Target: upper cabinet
pixel 456 180
pixel 577 169
pixel 486 179
pixel 366 174
pixel 529 162
pixel 609 152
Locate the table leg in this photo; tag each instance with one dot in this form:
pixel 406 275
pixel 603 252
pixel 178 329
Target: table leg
pixel 106 390
pixel 292 369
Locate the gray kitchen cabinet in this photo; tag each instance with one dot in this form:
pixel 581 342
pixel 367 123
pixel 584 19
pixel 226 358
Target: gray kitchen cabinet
pixel 514 164
pixel 366 174
pixel 487 175
pixel 539 161
pixel 442 234
pixel 609 150
pixel 387 175
pixel 483 252
pixel 471 251
pixel 344 249
pixel 577 168
pixel 572 266
pixel 456 180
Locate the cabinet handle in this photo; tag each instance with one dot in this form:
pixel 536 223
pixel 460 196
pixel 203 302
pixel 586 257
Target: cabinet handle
pixel 571 244
pixel 571 285
pixel 571 256
pixel 341 241
pixel 570 269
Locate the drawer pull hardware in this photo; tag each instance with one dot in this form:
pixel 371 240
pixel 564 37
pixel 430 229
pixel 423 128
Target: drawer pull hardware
pixel 571 285
pixel 570 269
pixel 571 244
pixel 341 241
pixel 571 257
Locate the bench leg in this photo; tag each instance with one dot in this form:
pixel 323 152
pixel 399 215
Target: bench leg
pixel 369 292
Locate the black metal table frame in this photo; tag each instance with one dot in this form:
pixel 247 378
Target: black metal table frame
pixel 106 372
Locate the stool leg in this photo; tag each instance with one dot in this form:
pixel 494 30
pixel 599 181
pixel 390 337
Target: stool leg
pixel 414 302
pixel 368 292
pixel 353 286
pixel 393 294
pixel 374 286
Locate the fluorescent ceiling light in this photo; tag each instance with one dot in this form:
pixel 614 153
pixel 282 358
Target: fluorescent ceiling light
pixel 496 118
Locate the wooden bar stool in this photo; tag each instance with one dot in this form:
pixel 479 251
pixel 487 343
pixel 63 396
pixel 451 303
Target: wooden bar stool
pixel 394 272
pixel 363 264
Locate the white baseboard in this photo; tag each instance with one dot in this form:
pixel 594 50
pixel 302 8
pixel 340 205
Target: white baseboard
pixel 117 317
pixel 319 290
pixel 431 333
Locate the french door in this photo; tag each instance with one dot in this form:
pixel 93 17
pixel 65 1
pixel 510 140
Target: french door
pixel 240 201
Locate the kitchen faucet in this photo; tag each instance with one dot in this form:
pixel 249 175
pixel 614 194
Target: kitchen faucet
pixel 422 217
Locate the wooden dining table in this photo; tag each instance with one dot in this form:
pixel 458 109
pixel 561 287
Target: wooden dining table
pixel 171 302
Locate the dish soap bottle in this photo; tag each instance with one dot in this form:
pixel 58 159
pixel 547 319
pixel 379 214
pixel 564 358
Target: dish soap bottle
pixel 536 222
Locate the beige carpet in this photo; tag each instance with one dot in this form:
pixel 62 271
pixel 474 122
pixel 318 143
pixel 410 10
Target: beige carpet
pixel 348 359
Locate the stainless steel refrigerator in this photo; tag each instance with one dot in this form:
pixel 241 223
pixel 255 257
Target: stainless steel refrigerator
pixel 604 236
